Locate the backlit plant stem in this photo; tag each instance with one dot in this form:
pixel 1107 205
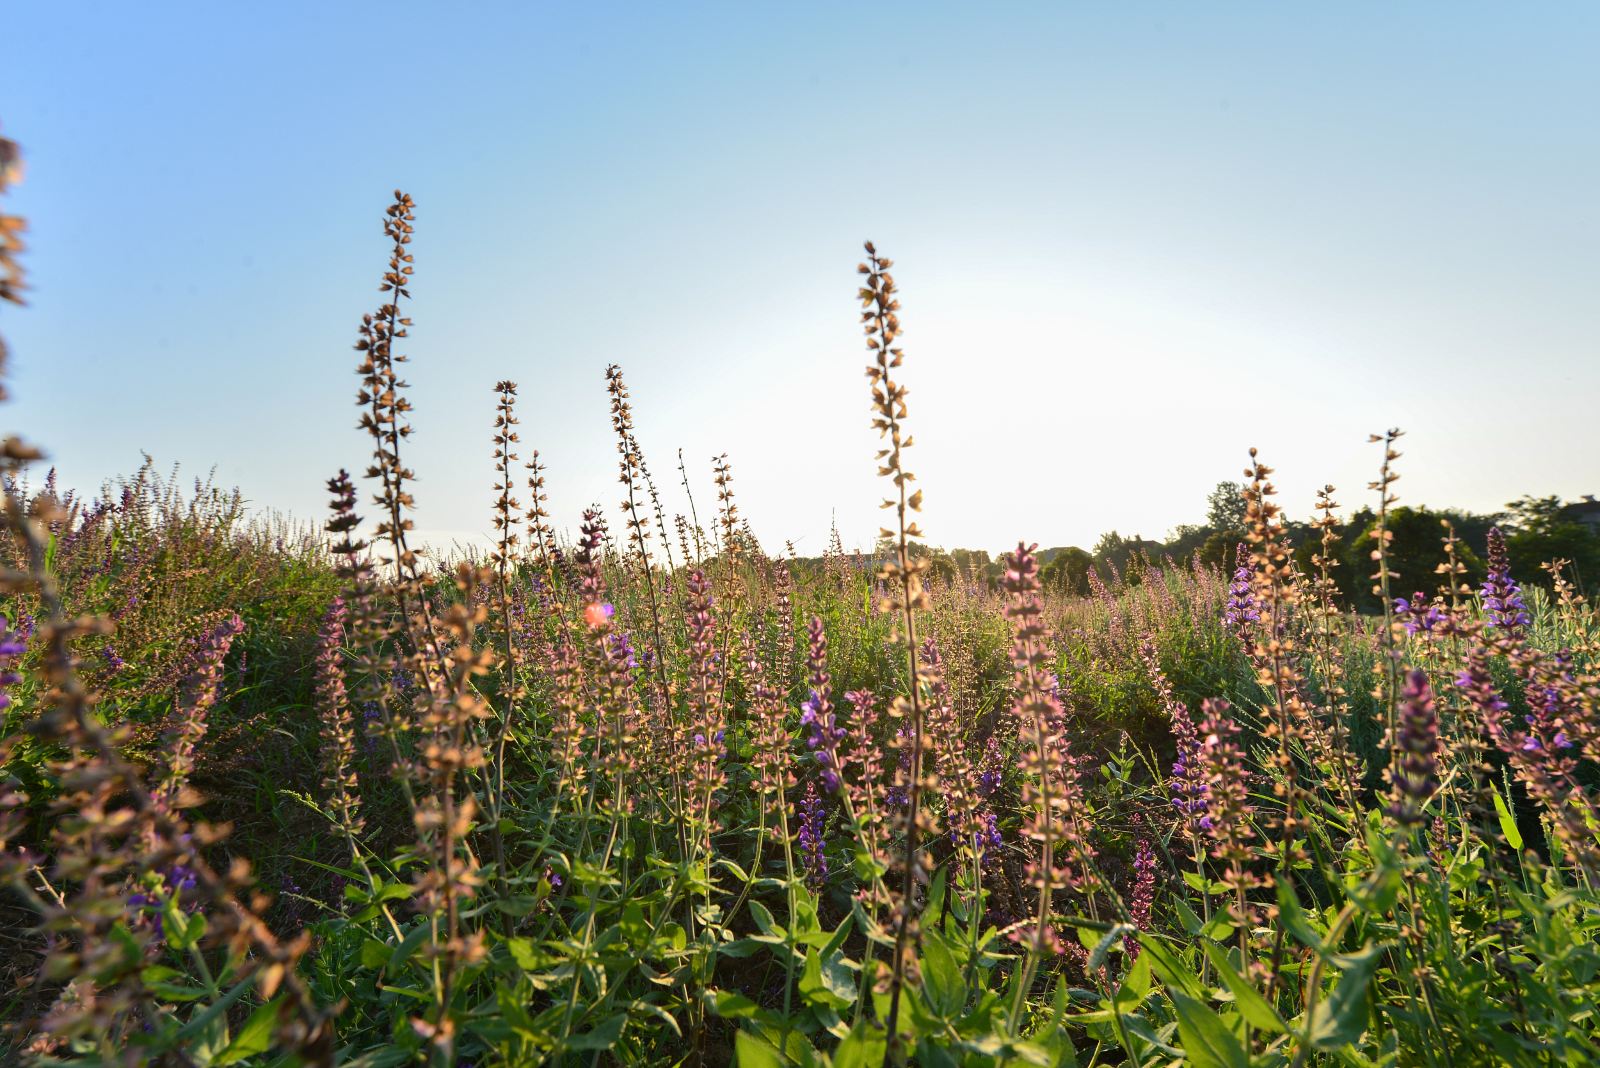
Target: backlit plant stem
pixel 904 580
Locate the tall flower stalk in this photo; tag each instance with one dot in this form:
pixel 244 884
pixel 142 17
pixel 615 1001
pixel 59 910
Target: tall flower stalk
pixel 1383 580
pixel 504 559
pixel 384 417
pixel 339 743
pixel 1502 596
pixel 1050 792
pixel 905 595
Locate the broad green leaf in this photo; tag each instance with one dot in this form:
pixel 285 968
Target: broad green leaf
pixel 1172 971
pixel 1379 892
pixel 863 1047
pixel 820 990
pixel 177 991
pixel 1508 823
pixel 751 1051
pixel 1252 1006
pixel 375 954
pixel 659 1013
pixel 528 958
pixel 732 1005
pixel 1186 916
pixel 764 921
pixel 408 945
pixel 1207 1040
pixel 1135 984
pixel 834 943
pixel 604 1036
pixel 932 1056
pixel 1112 939
pixel 255 1037
pixel 1292 916
pixel 1341 1017
pixel 935 896
pixel 739 948
pixel 203 1019
pixel 941 976
pixel 183 932
pixel 1203 885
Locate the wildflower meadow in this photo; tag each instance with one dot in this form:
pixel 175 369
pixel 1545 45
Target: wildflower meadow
pixel 651 792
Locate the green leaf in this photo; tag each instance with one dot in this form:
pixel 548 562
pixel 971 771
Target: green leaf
pixel 1204 886
pixel 1341 1017
pixel 409 945
pixel 176 991
pixel 519 904
pixel 934 1056
pixel 863 1047
pixel 1294 918
pixel 255 1037
pixel 739 948
pixel 837 940
pixel 935 903
pixel 764 921
pixel 392 892
pixel 818 990
pixel 751 1051
pixel 604 1036
pixel 526 955
pixel 1207 1041
pixel 1379 892
pixel 1508 823
pixel 183 931
pixel 375 954
pixel 731 1005
pixel 1186 916
pixel 203 1019
pixel 1112 939
pixel 1172 971
pixel 1135 985
pixel 941 976
pixel 659 1013
pixel 738 872
pixel 1252 1006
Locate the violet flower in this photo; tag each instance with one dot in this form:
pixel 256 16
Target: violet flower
pixel 1502 597
pixel 812 844
pixel 1242 609
pixel 1144 894
pixel 823 737
pixel 13 644
pixel 1417 616
pixel 1416 773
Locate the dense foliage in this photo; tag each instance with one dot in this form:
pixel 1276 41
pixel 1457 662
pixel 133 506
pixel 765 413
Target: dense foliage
pixel 650 798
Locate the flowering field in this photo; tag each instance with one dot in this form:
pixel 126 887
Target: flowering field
pixel 662 796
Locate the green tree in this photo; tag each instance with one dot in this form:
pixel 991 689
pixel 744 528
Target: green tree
pixel 1541 529
pixel 1067 571
pixel 1225 507
pixel 1416 553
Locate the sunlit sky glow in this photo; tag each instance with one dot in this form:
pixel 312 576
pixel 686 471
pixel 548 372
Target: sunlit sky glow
pixel 1133 241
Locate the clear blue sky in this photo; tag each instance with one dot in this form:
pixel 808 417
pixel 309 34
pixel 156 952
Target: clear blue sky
pixel 1134 240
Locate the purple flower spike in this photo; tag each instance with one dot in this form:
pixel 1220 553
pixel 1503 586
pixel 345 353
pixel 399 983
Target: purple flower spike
pixel 813 820
pixel 1416 774
pixel 13 644
pixel 1502 597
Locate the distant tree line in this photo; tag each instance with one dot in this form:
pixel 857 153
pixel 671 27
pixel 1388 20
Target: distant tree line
pixel 1537 530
